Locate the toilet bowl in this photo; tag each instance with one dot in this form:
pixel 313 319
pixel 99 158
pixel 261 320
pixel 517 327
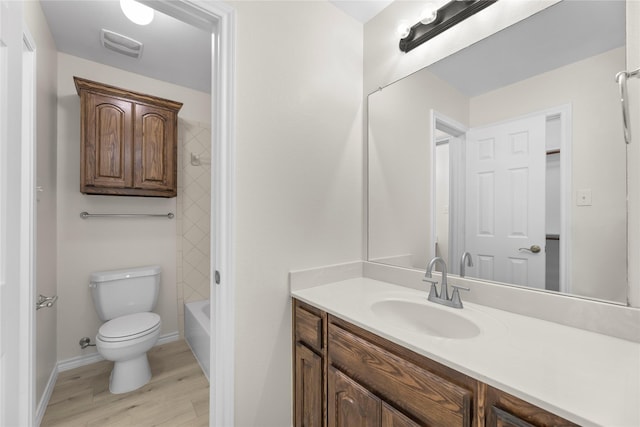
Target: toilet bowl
pixel 125 340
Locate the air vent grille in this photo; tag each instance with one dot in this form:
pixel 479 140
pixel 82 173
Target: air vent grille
pixel 121 44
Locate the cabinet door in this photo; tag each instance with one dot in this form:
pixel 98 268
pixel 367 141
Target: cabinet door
pixel 155 148
pixel 308 391
pixel 107 132
pixel 392 418
pixel 350 404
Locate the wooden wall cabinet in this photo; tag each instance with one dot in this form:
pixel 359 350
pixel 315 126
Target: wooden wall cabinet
pixel 345 376
pixel 128 142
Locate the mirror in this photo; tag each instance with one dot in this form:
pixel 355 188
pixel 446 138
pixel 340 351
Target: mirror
pixel 511 149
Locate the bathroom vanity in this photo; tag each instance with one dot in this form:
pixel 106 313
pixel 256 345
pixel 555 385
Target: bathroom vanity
pixel 371 353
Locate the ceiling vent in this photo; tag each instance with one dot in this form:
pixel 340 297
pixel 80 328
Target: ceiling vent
pixel 121 44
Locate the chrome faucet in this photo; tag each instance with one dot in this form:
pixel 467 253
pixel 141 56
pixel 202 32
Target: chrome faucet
pixel 466 256
pixel 443 296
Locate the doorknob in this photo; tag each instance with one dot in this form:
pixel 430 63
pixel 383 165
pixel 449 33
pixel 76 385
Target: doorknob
pixel 45 301
pixel 533 249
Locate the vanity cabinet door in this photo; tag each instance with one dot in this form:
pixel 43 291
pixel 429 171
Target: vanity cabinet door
pixel 392 418
pixel 505 410
pixel 308 388
pixel 350 404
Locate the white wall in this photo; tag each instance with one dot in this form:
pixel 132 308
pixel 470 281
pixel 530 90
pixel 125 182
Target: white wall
pixel 598 231
pixel 102 244
pixel 299 180
pixel 46 109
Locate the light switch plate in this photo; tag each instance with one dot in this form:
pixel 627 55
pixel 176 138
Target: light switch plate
pixel 583 197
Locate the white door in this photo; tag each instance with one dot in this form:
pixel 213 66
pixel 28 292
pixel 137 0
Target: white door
pixel 505 201
pixel 16 227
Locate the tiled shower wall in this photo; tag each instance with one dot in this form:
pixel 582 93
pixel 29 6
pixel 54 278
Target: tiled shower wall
pixel 193 214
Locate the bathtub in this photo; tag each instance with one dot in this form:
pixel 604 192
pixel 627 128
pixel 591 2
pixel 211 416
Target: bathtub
pixel 197 327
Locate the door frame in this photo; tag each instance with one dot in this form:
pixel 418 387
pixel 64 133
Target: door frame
pixel 456 203
pixel 28 226
pixel 219 18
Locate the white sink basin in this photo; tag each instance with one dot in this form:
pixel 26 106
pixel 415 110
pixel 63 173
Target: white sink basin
pixel 425 317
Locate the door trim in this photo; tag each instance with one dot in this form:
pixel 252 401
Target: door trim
pixel 28 228
pixel 219 18
pixel 456 204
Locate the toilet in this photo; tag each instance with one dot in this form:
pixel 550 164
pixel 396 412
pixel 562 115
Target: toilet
pixel 124 300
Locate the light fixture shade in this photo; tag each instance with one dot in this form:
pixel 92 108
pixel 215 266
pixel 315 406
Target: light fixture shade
pixel 137 13
pixel 429 14
pixel 403 29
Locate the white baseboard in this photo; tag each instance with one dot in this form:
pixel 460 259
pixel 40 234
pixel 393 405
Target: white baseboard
pixel 87 359
pixel 167 338
pixel 78 361
pixel 46 396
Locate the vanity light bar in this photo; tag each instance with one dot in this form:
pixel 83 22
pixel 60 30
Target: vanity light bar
pixel 447 16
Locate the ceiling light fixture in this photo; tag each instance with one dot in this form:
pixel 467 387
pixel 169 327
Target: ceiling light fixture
pixel 138 13
pixel 433 21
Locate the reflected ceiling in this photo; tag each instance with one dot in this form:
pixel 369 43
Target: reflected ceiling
pixel 569 23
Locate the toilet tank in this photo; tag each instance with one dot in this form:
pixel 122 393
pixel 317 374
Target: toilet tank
pixel 127 291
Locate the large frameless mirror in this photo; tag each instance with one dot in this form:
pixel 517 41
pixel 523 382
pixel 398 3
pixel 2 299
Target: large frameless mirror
pixel 511 149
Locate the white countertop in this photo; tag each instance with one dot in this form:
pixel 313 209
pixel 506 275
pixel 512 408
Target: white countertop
pixel 585 377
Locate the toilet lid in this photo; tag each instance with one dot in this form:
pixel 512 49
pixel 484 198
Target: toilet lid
pixel 129 327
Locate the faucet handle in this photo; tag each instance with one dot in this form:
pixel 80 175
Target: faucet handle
pixel 455 296
pixel 433 291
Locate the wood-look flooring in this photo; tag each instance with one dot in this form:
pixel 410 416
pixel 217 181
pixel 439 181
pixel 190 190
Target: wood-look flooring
pixel 177 395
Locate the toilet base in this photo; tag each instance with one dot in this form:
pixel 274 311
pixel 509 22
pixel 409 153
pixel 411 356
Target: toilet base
pixel 130 374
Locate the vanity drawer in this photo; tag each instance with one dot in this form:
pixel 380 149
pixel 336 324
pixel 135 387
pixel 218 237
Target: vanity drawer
pixel 308 326
pixel 425 396
pixel 505 410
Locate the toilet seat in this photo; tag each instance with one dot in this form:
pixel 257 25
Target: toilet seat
pixel 129 327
